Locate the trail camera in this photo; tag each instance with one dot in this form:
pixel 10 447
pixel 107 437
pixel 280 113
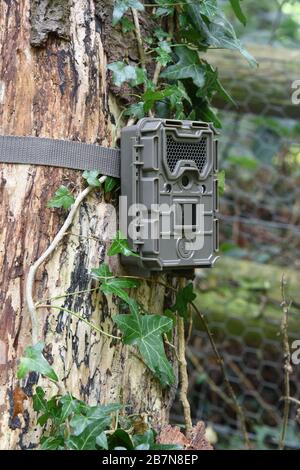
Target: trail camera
pixel 169 201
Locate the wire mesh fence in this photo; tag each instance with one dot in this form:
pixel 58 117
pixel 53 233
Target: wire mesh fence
pixel 260 226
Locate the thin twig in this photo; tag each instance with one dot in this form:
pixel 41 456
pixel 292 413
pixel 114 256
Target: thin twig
pixel 287 362
pixel 79 317
pixel 139 39
pixel 231 392
pixel 214 387
pixel 184 379
pixel 33 269
pixel 249 386
pixel 291 399
pixel 167 342
pixel 156 73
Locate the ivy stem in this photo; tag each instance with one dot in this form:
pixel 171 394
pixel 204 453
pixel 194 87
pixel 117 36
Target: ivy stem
pixel 79 317
pixel 139 39
pixel 140 44
pixel 68 294
pixel 184 379
pixel 287 368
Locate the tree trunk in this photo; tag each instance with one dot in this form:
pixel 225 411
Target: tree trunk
pixel 53 84
pixel 264 90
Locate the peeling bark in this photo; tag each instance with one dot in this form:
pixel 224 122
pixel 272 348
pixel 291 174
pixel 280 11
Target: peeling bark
pixel 60 91
pixel 49 17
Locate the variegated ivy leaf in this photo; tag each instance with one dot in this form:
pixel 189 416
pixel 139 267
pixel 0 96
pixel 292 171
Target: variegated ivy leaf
pixel 34 361
pixel 146 332
pixel 123 72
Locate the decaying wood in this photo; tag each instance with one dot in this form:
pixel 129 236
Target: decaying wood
pixel 58 89
pixel 266 89
pixel 196 441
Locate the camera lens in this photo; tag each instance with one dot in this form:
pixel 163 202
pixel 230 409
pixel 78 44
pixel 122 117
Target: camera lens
pixel 185 181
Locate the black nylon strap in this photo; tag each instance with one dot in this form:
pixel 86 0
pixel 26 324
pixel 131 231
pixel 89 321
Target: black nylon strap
pixel 60 153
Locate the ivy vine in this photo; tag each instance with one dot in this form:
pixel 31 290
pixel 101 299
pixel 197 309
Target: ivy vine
pixel 183 83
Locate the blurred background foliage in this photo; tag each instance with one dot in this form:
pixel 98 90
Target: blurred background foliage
pixel 260 235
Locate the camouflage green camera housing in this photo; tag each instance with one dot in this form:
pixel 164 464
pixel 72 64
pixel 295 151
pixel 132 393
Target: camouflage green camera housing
pixel 167 163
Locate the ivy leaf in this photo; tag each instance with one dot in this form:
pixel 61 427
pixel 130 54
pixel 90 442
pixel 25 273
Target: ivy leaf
pixel 218 32
pixel 213 84
pixel 120 438
pixel 146 331
pixel 87 439
pixel 92 178
pixel 70 405
pixel 150 97
pixel 177 98
pixel 122 72
pixel 39 401
pixel 168 313
pixel 127 25
pixel 121 283
pixel 208 8
pixel 208 115
pixel 34 361
pixel 164 53
pixel 103 272
pixel 146 441
pixel 121 8
pixel 236 6
pixel 188 66
pixel 136 110
pixel 140 77
pixel 184 297
pixel 93 414
pixel 52 443
pixel 101 441
pixel 116 287
pixel 166 7
pixel 120 246
pixel 110 184
pixel 62 198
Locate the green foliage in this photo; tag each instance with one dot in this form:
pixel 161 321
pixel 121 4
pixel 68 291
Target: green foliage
pixel 127 25
pixel 110 184
pixel 186 83
pixel 143 330
pixel 120 246
pixel 122 6
pixel 236 6
pixel 184 298
pixel 34 361
pixel 208 8
pixel 62 198
pixel 71 424
pixel 146 441
pixel 146 331
pixel 217 32
pixel 188 66
pixel 92 178
pixel 126 73
pixel 164 53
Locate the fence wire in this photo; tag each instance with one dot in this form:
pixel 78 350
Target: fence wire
pixel 260 221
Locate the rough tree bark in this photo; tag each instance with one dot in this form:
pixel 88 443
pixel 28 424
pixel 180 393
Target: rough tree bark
pixel 53 83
